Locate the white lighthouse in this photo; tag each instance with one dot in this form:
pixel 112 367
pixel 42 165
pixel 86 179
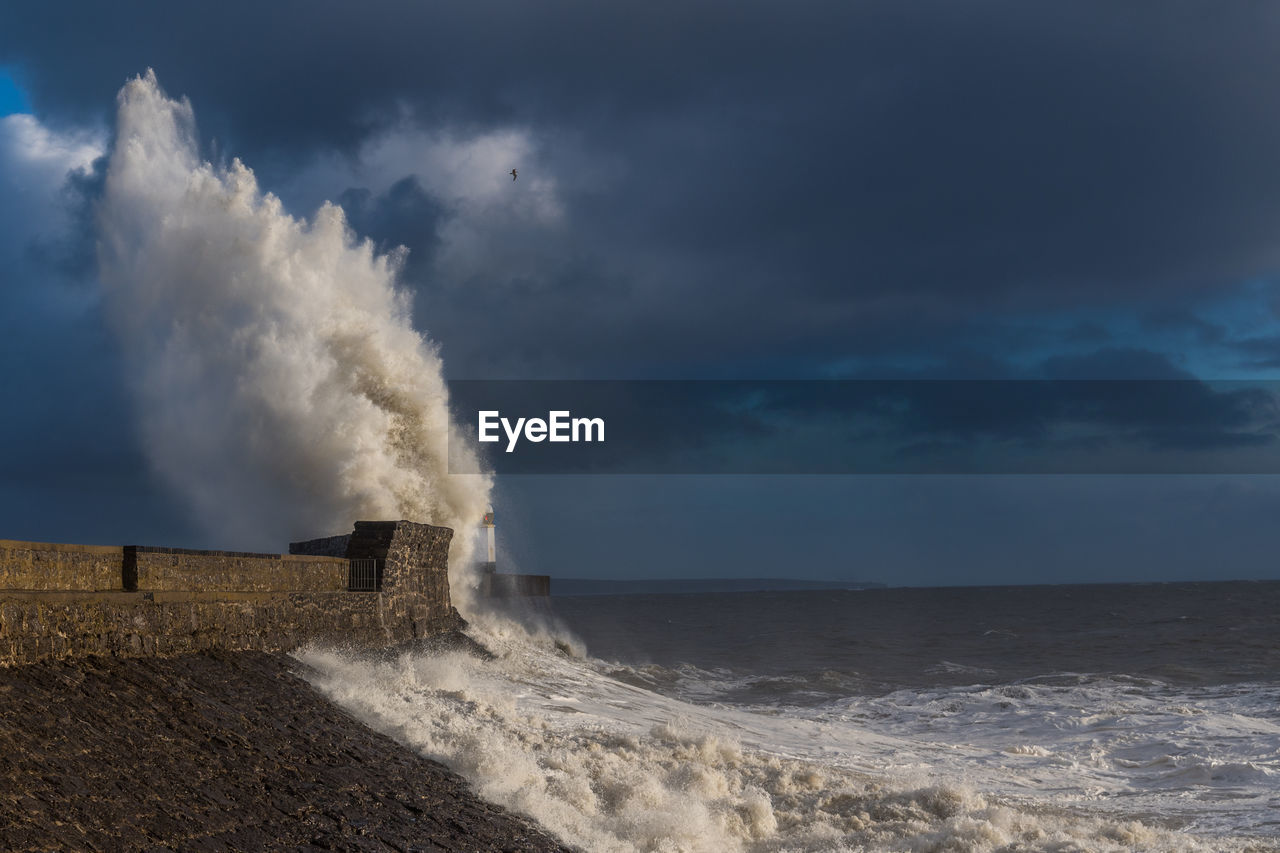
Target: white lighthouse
pixel 507 584
pixel 491 553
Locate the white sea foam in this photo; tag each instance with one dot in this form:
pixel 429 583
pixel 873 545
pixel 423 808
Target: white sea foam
pixel 281 388
pixel 612 766
pixel 1206 755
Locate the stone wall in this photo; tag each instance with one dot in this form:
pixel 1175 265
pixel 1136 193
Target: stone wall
pixel 415 574
pixel 153 569
pixel 142 601
pixel 35 626
pixel 326 546
pixel 41 565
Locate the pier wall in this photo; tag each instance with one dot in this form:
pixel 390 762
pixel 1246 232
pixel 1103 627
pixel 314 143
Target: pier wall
pixel 60 601
pixel 41 565
pixel 154 569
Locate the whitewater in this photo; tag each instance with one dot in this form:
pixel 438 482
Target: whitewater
pixel 280 386
pixel 628 755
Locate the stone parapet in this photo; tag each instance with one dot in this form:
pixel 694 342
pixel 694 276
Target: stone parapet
pixel 415 576
pixel 43 565
pixel 36 626
pixel 325 546
pixel 61 601
pixel 153 569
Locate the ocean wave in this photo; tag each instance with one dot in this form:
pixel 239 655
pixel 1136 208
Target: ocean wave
pixel 611 765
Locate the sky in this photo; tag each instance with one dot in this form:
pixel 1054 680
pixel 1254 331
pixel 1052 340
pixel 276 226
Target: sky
pixel 755 190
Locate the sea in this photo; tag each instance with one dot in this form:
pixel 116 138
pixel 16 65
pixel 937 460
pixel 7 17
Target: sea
pixel 1055 718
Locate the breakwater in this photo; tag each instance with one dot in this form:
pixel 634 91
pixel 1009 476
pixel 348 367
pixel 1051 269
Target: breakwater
pixel 59 601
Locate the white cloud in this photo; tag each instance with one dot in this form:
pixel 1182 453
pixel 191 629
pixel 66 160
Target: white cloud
pixel 37 216
pixel 35 163
pixel 492 228
pixel 469 173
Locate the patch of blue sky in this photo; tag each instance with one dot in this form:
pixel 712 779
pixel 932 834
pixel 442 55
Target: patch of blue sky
pixel 12 97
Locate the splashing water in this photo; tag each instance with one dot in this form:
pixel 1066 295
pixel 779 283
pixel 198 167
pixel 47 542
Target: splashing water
pixel 610 766
pixel 281 388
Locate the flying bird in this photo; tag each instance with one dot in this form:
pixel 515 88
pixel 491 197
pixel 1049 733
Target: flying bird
pixel 512 173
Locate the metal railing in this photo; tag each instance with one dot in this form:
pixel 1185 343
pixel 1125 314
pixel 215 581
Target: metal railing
pixel 365 575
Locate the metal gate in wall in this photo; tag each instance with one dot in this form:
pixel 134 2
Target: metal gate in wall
pixel 365 575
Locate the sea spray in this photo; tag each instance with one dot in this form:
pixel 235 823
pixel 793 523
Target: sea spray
pixel 281 388
pixel 609 766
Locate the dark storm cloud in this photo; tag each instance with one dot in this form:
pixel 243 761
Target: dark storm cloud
pixel 1109 397
pixel 1263 352
pixel 789 183
pixel 68 254
pixel 1184 321
pixel 1176 424
pixel 1113 363
pixel 404 215
pixel 70 468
